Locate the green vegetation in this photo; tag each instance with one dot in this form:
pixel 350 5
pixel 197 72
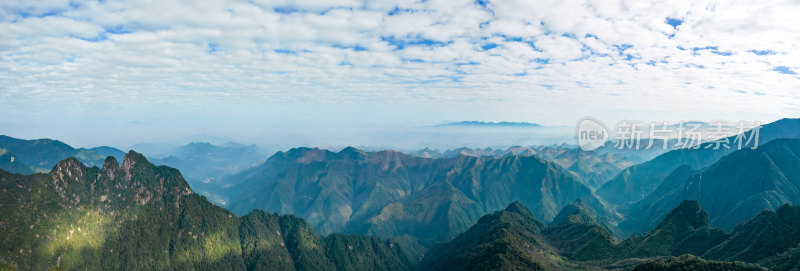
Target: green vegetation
pixel 7 266
pixel 504 240
pixel 512 239
pixel 768 234
pixel 594 167
pixel 734 189
pixel 693 263
pixel 42 154
pixel 789 260
pixel 388 193
pixel 136 215
pixel 202 164
pixel 9 162
pixel 139 216
pixel 638 181
pixel 579 234
pixel 684 231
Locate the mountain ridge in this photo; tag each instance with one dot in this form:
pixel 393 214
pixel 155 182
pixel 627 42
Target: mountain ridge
pixel 80 217
pixel 83 217
pixel 636 182
pixel 43 154
pixel 508 240
pixel 734 189
pixel 390 193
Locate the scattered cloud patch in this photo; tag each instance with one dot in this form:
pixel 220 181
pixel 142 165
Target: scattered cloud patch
pixel 285 52
pixel 471 63
pixel 489 46
pixel 400 43
pixel 285 10
pixel 117 30
pixel 357 48
pixel 762 52
pixel 674 22
pixel 542 60
pixel 26 14
pixel 622 47
pixel 397 10
pixel 784 70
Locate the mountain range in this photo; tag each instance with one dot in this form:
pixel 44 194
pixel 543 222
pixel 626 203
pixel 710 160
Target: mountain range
pixel 636 182
pixel 203 164
pixel 512 239
pixel 595 167
pixel 141 216
pixel 42 154
pixel 386 210
pixel 145 217
pixel 11 163
pixel 733 190
pixel 388 193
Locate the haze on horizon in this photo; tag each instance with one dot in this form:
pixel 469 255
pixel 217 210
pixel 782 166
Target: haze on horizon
pixel 373 72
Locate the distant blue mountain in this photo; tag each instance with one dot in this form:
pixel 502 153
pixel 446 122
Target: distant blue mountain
pixel 43 154
pixel 202 163
pixel 502 124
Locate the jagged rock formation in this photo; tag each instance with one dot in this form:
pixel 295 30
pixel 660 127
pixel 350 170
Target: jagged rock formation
pixel 140 216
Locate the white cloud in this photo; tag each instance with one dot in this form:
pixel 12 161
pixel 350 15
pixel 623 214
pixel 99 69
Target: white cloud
pixel 456 56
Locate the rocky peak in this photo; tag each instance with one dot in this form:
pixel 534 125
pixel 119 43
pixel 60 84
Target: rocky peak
pixel 69 169
pixel 132 159
pixel 687 215
pixel 67 176
pixel 149 182
pixel 301 155
pixel 110 163
pixel 577 212
pixel 111 167
pixel 517 207
pixel 352 153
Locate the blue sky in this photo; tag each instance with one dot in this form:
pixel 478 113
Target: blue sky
pixel 120 72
